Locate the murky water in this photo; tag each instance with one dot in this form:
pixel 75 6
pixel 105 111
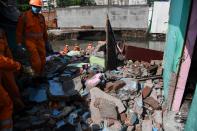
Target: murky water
pixel 155 45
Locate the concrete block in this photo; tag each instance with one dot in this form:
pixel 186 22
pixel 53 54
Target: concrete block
pixel 158 116
pixel 147 125
pixel 97 93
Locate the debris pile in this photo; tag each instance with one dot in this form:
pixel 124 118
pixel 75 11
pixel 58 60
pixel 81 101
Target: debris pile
pixel 77 96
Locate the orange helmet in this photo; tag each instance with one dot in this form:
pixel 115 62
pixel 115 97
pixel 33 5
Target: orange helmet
pixel 89 44
pixel 36 3
pixel 76 48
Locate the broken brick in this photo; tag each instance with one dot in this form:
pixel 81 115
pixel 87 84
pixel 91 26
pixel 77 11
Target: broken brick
pixel 114 86
pixel 152 102
pixel 123 117
pixel 146 91
pixel 108 87
pixel 118 84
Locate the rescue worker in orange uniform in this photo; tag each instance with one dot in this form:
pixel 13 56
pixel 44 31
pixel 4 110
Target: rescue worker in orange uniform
pixel 89 49
pixel 76 48
pixel 65 50
pixel 8 78
pixel 32 32
pixel 7 65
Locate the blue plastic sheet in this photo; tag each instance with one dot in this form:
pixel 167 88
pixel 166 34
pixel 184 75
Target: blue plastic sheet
pixel 60 123
pixel 55 88
pixel 37 94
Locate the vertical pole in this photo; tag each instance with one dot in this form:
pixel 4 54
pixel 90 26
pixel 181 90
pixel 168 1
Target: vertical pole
pixel 110 56
pixel 107 42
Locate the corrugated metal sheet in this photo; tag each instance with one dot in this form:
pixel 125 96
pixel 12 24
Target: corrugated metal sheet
pixel 160 17
pixel 142 54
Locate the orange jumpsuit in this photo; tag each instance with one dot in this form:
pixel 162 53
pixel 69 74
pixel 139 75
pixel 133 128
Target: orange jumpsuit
pixel 8 87
pixel 32 31
pixel 8 76
pixel 6 105
pixel 65 50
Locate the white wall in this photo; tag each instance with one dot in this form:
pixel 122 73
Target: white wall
pixel 160 17
pixel 129 17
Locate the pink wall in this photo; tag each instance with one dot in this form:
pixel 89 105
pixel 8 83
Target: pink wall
pixel 187 56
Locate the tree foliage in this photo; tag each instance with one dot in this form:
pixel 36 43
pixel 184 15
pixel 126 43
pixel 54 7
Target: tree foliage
pixel 23 5
pixel 64 3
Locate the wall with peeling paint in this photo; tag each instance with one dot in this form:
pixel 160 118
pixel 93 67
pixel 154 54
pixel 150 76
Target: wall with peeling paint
pixel 179 12
pixel 187 58
pixel 126 17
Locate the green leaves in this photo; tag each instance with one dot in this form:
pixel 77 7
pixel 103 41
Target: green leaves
pixel 64 3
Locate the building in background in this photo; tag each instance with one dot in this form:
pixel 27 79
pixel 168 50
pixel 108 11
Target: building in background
pixel 120 2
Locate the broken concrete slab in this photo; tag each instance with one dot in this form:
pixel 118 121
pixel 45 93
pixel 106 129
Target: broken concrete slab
pixel 131 84
pixel 159 70
pixel 106 108
pixel 132 118
pixel 97 93
pixel 130 128
pixel 138 105
pixel 158 116
pixel 138 127
pixel 147 125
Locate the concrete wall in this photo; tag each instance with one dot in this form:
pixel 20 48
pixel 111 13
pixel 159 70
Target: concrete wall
pixel 160 17
pixel 120 16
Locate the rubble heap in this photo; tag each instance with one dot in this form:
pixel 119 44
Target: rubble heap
pixel 75 95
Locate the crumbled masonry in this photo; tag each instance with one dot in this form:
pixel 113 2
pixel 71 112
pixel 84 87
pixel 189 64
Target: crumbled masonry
pixel 71 97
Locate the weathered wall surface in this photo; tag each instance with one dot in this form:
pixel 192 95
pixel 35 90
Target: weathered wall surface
pixel 179 13
pixel 160 17
pixel 130 17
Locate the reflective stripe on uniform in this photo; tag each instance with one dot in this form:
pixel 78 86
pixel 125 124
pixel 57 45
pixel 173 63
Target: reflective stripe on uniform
pixel 7 129
pixel 5 122
pixel 34 35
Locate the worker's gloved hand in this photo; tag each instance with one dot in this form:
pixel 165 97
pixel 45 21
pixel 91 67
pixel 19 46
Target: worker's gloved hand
pixel 49 49
pixel 22 55
pixel 28 70
pixel 19 104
